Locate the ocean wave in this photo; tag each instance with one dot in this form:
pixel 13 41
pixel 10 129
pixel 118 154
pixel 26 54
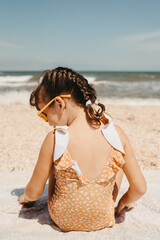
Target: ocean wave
pixel 100 82
pixel 130 101
pixel 15 79
pixel 22 97
pixel 17 84
pixel 91 79
pixel 129 84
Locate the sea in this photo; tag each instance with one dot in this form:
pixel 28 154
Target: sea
pixel 112 87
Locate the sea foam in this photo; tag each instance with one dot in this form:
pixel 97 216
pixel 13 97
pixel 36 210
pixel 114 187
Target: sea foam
pixel 131 101
pixel 22 97
pixel 15 79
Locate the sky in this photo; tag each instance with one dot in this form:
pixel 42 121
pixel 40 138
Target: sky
pixel 102 35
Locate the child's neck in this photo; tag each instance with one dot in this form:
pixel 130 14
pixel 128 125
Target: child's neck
pixel 78 119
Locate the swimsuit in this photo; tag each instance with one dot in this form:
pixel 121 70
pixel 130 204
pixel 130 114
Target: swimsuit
pixel 80 204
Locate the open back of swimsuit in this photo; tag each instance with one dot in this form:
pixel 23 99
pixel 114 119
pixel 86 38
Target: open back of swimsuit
pixel 79 203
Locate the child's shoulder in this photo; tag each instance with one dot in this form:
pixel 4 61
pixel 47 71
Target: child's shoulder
pixel 49 139
pixel 122 135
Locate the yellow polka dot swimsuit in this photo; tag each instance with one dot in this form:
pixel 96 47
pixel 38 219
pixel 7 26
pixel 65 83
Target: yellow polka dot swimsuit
pixel 80 204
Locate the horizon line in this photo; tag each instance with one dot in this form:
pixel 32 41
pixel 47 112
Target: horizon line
pixel 83 70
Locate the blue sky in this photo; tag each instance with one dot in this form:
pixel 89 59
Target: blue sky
pixel 84 35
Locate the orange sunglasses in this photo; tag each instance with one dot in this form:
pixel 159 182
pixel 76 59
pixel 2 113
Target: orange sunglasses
pixel 43 115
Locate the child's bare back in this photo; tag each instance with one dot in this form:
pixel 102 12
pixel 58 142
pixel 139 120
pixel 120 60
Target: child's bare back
pixel 89 148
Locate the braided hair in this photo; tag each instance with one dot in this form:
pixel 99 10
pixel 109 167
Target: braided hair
pixel 63 80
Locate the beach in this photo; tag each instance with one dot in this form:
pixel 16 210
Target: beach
pixel 93 51
pixel 21 135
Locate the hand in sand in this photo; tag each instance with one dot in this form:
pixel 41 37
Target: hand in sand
pixel 24 202
pixel 122 210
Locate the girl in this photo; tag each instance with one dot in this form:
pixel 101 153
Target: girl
pixel 84 156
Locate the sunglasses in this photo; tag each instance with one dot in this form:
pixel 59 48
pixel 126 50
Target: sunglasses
pixel 43 115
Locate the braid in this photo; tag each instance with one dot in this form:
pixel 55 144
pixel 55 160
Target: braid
pixel 66 81
pixel 87 92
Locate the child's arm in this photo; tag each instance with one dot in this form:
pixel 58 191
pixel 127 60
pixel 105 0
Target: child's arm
pixel 137 183
pixel 35 187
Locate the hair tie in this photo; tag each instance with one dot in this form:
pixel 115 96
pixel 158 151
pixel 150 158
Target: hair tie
pixel 88 102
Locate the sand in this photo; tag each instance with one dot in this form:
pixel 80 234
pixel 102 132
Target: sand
pixel 16 222
pixel 21 136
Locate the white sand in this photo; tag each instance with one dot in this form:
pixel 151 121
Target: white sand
pixel 21 136
pixel 16 222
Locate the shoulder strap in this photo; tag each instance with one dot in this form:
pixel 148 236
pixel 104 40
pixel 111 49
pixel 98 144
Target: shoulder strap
pixel 111 134
pixel 62 137
pixel 61 141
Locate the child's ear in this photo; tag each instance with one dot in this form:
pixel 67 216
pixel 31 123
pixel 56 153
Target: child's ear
pixel 61 103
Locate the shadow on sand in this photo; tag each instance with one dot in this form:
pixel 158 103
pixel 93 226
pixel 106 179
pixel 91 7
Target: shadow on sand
pixel 39 210
pixel 36 210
